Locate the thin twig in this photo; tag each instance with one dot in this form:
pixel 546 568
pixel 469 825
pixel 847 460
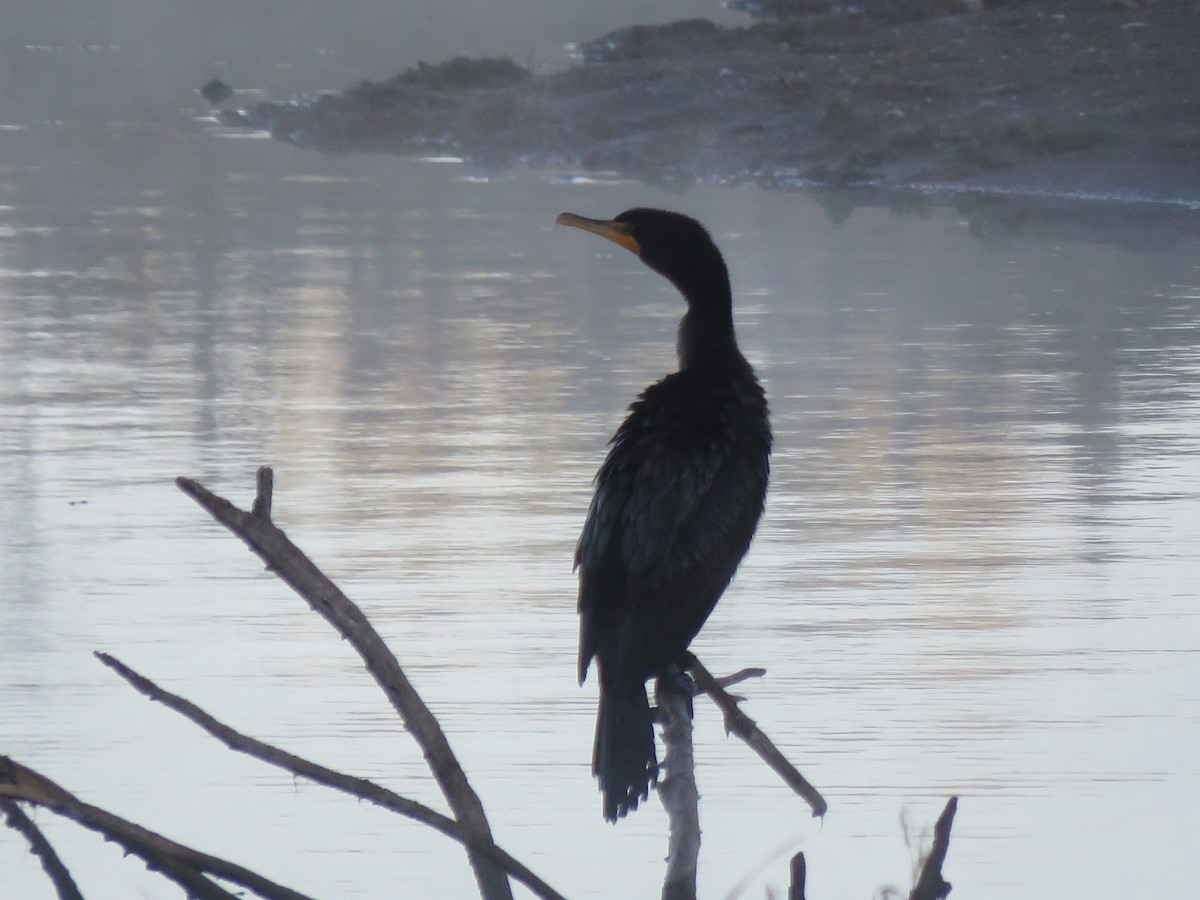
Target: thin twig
pixel 287 561
pixel 361 788
pixel 60 876
pixel 930 883
pixel 728 681
pixel 21 783
pixel 744 727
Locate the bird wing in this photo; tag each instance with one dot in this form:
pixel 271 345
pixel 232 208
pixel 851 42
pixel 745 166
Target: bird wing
pixel 671 480
pixel 666 498
pixel 655 477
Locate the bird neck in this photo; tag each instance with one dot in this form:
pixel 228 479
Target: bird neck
pixel 706 330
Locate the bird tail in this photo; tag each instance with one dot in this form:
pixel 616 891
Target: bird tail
pixel 623 758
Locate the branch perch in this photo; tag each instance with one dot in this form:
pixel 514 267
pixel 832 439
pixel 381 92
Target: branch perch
pixel 744 727
pixel 680 797
pixel 284 558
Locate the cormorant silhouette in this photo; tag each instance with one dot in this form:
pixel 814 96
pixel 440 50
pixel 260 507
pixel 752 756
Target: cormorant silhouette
pixel 676 501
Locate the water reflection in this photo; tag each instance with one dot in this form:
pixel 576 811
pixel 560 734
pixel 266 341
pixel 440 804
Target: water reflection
pixel 975 574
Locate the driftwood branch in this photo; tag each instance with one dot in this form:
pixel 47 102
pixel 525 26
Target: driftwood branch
pixel 677 789
pixel 930 883
pixel 40 847
pixel 744 727
pixel 284 558
pixel 17 782
pixel 361 788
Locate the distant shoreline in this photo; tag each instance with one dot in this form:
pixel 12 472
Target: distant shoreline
pixel 1061 104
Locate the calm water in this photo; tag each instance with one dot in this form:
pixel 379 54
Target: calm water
pixel 976 574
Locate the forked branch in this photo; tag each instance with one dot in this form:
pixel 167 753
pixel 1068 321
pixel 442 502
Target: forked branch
pixel 744 727
pixel 287 561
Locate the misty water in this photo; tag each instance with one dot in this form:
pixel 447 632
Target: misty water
pixel 976 574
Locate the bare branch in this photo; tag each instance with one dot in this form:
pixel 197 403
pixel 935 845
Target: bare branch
pixel 361 788
pixel 680 797
pixel 60 877
pixel 302 575
pixel 744 727
pixel 20 783
pixel 930 883
pixel 799 874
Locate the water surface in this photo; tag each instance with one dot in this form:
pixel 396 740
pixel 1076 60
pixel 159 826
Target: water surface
pixel 975 575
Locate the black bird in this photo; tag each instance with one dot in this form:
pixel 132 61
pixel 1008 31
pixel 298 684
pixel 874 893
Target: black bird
pixel 676 501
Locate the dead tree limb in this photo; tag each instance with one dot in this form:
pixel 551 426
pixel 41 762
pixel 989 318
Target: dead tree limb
pixel 17 782
pixel 284 558
pixel 360 788
pixel 930 883
pixel 40 847
pixel 744 727
pixel 677 789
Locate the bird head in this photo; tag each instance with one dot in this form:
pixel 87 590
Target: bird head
pixel 672 244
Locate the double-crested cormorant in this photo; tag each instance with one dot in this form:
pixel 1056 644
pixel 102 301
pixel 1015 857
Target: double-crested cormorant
pixel 676 501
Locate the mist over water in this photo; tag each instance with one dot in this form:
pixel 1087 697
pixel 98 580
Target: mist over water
pixel 976 573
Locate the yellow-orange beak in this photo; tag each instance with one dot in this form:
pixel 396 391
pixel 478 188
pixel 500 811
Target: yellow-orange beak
pixel 617 232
